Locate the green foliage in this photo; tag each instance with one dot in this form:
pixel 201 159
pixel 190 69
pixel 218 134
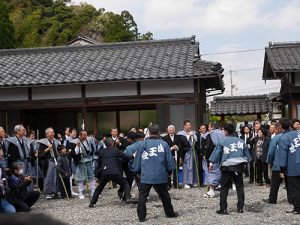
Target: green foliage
pixel 114 27
pixel 7 34
pixel 146 37
pixel 33 23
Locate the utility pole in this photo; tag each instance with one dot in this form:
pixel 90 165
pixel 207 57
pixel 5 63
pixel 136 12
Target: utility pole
pixel 231 85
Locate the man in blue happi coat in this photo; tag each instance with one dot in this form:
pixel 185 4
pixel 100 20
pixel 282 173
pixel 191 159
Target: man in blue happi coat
pixel 289 163
pixel 272 160
pixel 154 163
pixel 231 154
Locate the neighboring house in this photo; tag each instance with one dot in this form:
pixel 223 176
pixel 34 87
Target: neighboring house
pixel 82 40
pixel 107 85
pixel 282 62
pixel 241 105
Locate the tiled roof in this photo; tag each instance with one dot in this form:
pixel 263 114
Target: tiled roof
pixel 281 57
pixel 164 59
pixel 241 105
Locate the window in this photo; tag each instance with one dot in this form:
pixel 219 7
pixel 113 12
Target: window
pixel 298 111
pixel 128 119
pixel 106 121
pixel 147 116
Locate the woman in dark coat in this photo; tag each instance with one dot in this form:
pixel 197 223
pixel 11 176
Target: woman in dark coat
pixel 261 147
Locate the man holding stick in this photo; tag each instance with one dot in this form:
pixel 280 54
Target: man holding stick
pixel 178 145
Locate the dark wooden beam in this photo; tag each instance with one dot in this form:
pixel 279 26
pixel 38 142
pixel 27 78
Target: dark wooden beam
pixel 118 120
pixel 95 123
pixel 200 98
pixel 79 103
pixel 83 105
pixel 222 118
pixel 138 88
pixel 259 116
pixel 29 93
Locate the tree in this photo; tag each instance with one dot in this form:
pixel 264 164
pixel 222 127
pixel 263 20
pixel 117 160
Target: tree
pixel 7 32
pixel 146 37
pixel 55 22
pixel 29 35
pixel 114 27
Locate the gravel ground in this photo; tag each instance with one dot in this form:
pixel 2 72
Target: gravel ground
pixel 191 206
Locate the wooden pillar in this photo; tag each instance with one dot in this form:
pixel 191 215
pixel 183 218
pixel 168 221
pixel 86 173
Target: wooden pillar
pixel 222 118
pixel 200 98
pixel 95 123
pixel 259 116
pixel 118 120
pixel 83 105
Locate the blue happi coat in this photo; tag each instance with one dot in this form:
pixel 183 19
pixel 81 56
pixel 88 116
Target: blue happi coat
pixel 153 161
pixel 130 151
pixel 273 152
pixel 230 151
pixel 289 152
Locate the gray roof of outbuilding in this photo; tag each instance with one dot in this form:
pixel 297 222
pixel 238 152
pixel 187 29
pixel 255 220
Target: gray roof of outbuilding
pixel 83 38
pixel 241 105
pixel 280 58
pixel 145 60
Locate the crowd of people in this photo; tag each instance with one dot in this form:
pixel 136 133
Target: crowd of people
pixel 216 157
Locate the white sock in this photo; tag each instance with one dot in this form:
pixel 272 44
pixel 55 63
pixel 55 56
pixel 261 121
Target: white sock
pixel 92 186
pixel 80 187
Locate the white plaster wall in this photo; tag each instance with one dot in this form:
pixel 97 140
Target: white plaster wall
pixel 13 94
pixel 111 89
pixel 56 92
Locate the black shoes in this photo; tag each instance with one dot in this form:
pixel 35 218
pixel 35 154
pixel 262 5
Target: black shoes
pixel 120 194
pixel 131 201
pixel 268 201
pixel 174 215
pixel 222 212
pixel 240 211
pixel 91 205
pixel 293 212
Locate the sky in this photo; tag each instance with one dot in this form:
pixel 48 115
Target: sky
pixel 220 26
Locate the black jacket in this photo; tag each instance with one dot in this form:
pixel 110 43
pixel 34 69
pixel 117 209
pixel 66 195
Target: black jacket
pixel 108 162
pixel 63 166
pixel 44 156
pixel 209 146
pixel 2 145
pixel 265 148
pixel 180 141
pixel 200 144
pixel 123 143
pixel 18 187
pixel 13 154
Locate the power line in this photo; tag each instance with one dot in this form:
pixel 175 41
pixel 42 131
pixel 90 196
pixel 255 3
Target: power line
pixel 247 69
pixel 232 52
pixel 258 89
